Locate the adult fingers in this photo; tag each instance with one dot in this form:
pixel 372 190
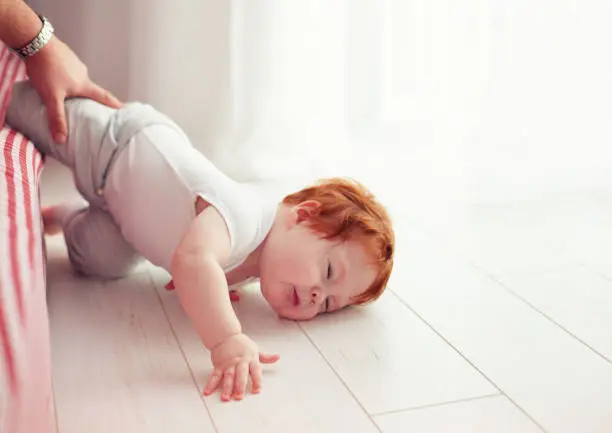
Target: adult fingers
pixel 57 117
pixel 101 95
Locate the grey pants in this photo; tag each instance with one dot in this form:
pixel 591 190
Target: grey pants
pixel 96 134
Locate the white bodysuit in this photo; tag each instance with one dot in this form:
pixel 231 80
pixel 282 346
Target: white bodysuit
pixel 161 175
pixel 142 177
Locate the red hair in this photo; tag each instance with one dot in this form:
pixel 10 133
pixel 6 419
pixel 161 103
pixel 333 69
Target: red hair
pixel 348 211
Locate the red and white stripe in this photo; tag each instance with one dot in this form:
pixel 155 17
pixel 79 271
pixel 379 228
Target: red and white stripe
pixel 25 373
pixel 11 69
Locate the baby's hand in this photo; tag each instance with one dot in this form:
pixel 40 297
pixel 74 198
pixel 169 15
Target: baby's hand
pixel 235 359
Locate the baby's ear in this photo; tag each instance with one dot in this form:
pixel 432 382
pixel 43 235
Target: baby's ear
pixel 306 210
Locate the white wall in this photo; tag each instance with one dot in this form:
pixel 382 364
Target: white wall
pixel 173 55
pixel 503 99
pixel 288 87
pixel 258 86
pixel 487 98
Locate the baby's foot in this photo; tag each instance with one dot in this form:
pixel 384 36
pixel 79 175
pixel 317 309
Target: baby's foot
pixel 52 225
pixel 54 216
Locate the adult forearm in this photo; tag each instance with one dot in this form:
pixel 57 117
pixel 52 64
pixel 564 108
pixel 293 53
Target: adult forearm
pixel 202 290
pixel 19 24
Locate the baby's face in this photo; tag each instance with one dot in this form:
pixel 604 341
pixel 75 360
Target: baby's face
pixel 303 275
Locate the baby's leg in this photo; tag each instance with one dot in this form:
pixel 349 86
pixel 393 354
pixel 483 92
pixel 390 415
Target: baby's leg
pixel 87 123
pixel 95 245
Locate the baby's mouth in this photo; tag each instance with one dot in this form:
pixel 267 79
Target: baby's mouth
pixel 296 298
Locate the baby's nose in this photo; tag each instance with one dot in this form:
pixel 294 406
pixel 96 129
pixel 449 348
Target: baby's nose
pixel 315 295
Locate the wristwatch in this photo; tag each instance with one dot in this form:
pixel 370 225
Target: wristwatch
pixel 39 41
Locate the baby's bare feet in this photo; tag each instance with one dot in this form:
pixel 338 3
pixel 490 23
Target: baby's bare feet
pixel 54 216
pixel 51 223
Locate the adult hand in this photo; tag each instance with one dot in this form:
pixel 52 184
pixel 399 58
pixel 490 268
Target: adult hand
pixel 57 73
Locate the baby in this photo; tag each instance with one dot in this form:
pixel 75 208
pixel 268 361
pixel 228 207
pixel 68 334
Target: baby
pixel 153 196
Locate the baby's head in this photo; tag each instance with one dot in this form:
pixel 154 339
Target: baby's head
pixel 331 245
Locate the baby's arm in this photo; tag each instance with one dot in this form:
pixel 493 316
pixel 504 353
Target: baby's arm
pixel 202 290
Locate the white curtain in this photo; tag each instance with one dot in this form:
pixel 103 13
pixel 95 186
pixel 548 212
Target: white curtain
pixel 493 99
pixel 289 95
pixel 473 99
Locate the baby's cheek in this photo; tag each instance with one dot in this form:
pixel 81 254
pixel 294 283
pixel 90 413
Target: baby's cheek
pixel 297 268
pixel 292 266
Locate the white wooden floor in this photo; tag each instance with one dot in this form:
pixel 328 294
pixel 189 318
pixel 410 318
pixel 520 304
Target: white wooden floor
pixel 498 320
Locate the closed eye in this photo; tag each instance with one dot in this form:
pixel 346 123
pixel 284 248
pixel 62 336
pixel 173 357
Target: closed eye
pixel 329 271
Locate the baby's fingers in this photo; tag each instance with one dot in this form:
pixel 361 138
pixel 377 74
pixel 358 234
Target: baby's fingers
pixel 228 383
pixel 240 382
pixel 255 372
pixel 265 358
pixel 213 381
